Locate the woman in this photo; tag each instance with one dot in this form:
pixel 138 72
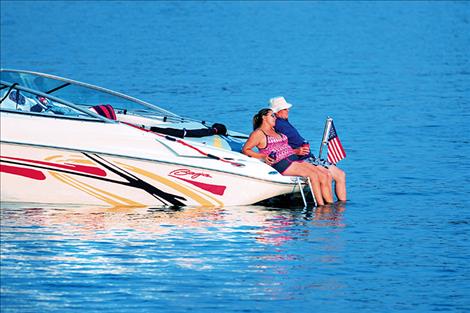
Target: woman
pixel 275 151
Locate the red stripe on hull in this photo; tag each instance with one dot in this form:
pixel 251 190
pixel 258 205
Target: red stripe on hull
pixel 21 171
pixel 215 189
pixel 73 167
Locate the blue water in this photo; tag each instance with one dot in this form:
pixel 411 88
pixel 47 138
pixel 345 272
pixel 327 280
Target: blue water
pixel 395 76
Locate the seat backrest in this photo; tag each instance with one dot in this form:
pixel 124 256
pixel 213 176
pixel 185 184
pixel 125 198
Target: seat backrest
pixel 105 110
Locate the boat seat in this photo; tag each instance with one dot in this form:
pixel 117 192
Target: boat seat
pixel 105 110
pixel 16 100
pixel 234 145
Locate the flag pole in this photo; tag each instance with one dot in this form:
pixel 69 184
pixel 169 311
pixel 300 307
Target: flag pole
pixel 326 131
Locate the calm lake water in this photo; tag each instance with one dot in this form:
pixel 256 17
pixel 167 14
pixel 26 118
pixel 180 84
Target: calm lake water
pixel 395 76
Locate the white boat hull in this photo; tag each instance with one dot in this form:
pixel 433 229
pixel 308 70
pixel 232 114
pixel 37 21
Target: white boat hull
pixel 118 165
pixel 45 175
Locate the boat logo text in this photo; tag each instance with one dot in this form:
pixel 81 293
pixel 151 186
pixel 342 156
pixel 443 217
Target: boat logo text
pixel 188 172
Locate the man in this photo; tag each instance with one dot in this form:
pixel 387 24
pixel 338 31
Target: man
pixel 281 107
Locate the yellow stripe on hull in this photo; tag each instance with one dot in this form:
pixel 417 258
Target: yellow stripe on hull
pixel 96 192
pixel 182 189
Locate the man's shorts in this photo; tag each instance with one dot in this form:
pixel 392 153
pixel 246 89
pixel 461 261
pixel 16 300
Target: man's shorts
pixel 316 161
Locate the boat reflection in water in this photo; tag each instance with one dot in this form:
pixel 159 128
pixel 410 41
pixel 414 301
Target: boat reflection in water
pixel 266 225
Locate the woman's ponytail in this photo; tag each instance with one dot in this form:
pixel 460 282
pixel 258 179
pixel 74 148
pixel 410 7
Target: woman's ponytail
pixel 258 118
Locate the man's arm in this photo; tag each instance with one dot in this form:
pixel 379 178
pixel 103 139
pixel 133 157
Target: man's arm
pixel 293 136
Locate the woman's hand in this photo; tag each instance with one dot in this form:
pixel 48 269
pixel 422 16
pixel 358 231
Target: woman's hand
pixel 269 160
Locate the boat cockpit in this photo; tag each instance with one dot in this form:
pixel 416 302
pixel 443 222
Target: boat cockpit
pixel 84 95
pixel 15 98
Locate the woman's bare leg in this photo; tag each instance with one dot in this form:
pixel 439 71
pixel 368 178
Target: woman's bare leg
pixel 326 180
pixel 299 169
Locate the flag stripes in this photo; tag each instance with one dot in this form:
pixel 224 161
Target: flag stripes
pixel 335 150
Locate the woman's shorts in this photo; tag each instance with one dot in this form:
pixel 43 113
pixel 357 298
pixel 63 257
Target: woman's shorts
pixel 284 164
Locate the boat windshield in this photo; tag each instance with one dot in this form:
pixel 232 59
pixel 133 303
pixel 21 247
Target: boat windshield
pixel 83 94
pixel 19 99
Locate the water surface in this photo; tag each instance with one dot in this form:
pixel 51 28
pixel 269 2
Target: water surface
pixel 395 76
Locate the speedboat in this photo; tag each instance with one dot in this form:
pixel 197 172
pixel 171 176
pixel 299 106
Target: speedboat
pixel 57 148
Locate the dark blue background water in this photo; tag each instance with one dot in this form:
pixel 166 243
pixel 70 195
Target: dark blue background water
pixel 395 76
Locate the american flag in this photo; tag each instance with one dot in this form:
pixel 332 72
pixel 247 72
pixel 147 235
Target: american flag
pixel 335 150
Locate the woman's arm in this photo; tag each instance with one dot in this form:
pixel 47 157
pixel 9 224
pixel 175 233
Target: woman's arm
pixel 256 139
pixel 253 141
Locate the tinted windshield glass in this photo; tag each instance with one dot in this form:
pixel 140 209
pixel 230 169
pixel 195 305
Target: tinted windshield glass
pixel 81 94
pixel 13 99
